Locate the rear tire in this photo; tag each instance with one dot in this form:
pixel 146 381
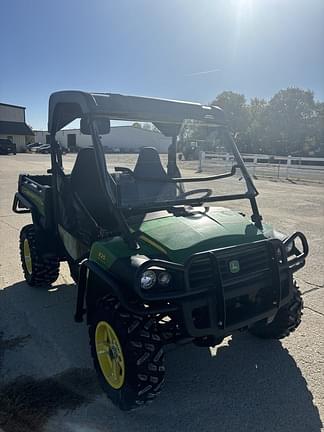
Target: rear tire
pixel 39 269
pixel 285 322
pixel 140 366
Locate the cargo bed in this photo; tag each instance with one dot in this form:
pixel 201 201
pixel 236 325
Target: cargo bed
pixel 35 195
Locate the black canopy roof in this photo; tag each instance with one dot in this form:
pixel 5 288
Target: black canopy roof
pixel 166 115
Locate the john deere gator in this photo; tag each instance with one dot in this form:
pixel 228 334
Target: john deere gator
pixel 155 259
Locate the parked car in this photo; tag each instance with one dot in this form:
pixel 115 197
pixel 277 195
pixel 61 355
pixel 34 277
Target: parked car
pixel 30 146
pixel 45 149
pixel 35 148
pixel 7 147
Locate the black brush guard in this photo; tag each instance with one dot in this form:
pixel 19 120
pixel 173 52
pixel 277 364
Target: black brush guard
pixel 227 289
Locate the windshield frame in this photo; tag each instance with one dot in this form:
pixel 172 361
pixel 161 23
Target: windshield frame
pixel 250 194
pixel 121 213
pixel 251 191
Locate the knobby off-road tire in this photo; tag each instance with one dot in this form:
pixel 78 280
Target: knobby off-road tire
pixel 285 322
pixel 142 352
pixel 39 269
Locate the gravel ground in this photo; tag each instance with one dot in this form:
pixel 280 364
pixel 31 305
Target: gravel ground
pixel 47 382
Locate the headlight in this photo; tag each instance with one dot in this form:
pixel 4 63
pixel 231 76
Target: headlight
pixel 148 279
pixel 164 278
pixel 289 246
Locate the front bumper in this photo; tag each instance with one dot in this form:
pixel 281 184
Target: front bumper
pixel 227 289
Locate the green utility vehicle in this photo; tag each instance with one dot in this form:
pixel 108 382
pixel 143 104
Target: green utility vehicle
pixel 155 260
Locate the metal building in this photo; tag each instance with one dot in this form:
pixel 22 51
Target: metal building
pixel 13 125
pixel 126 139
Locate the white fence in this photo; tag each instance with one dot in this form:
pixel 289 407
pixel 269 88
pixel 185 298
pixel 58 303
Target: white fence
pixel 260 165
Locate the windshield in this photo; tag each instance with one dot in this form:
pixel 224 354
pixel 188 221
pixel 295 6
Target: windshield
pixel 204 169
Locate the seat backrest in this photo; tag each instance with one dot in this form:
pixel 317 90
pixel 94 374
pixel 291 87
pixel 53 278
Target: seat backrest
pixel 149 165
pixel 86 185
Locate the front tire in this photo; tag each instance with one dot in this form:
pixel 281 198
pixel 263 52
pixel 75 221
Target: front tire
pixel 128 355
pixel 39 269
pixel 285 322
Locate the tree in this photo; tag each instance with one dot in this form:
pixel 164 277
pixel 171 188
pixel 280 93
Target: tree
pixel 290 121
pixel 235 109
pixel 319 130
pixel 236 113
pixel 255 140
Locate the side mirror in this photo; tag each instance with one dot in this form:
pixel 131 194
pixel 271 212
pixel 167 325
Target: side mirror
pixel 102 123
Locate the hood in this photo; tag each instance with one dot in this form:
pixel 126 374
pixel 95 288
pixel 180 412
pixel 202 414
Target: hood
pixel 175 238
pixel 178 237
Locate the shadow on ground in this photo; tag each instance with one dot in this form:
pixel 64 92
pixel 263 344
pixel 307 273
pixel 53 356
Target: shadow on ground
pixel 27 403
pixel 250 385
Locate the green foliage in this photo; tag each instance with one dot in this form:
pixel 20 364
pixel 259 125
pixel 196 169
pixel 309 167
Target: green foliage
pixel 236 111
pixel 291 122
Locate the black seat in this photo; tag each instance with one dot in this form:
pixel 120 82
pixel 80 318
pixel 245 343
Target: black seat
pixel 149 165
pixel 90 198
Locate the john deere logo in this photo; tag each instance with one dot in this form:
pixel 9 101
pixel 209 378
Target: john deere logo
pixel 234 266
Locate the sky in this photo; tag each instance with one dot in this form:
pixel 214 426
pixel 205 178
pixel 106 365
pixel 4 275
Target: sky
pixel 177 49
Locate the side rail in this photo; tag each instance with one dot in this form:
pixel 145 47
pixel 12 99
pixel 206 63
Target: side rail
pixel 21 204
pixel 34 197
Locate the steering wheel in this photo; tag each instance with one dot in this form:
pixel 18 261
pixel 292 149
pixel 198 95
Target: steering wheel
pixel 207 193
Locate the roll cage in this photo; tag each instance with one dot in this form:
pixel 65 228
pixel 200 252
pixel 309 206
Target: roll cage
pixel 167 115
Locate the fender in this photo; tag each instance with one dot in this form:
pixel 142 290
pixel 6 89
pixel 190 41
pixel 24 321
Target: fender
pixel 94 283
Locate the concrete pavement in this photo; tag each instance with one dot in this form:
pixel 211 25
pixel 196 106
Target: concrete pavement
pixel 47 382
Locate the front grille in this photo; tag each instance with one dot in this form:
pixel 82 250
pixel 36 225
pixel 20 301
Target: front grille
pixel 201 275
pixel 252 261
pixel 240 283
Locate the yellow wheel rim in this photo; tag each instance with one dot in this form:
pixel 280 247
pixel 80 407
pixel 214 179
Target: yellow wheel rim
pixel 110 355
pixel 27 257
